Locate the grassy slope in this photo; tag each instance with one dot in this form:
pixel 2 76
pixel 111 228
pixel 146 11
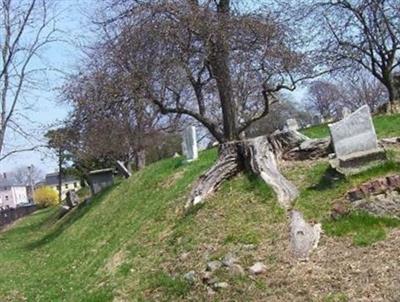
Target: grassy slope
pixel 128 244
pixel 385 125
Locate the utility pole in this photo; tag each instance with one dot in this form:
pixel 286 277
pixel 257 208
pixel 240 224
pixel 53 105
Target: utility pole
pixel 30 179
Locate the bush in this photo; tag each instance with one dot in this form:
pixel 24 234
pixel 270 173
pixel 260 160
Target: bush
pixel 46 197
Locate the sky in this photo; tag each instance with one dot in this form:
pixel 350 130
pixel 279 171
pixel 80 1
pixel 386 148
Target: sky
pixel 48 110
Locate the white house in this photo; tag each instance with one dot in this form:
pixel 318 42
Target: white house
pixel 68 183
pixel 12 194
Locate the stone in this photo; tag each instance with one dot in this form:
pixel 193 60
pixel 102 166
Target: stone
pixel 229 260
pixel 258 268
pixel 189 144
pixel 355 143
pixel 214 265
pixel 339 209
pixel 209 278
pixel 176 155
pixel 393 182
pixel 123 170
pixel 355 194
pixel 236 270
pixel 190 277
pixel 220 285
pixel 291 125
pixel 72 199
pixel 304 237
pixel 210 291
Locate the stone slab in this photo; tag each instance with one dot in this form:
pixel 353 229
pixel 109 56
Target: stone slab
pixel 355 133
pixel 122 169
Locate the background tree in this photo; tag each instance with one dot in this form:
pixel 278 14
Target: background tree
pixel 27 27
pixel 360 34
pixel 324 98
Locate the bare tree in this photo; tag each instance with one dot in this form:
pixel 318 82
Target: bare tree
pixel 363 89
pixel 219 65
pixel 363 34
pixel 26 175
pixel 324 98
pixel 26 28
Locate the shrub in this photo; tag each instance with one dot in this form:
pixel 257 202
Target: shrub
pixel 46 197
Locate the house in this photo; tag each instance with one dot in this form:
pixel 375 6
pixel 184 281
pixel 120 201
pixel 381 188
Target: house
pixel 12 194
pixel 68 183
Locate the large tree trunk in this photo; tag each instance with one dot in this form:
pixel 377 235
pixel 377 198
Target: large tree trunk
pixel 260 156
pixel 140 160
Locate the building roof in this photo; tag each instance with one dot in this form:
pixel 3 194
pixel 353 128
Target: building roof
pixel 52 179
pixel 5 182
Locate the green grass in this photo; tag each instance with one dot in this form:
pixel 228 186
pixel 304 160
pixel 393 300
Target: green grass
pixel 126 245
pixel 385 126
pixel 365 229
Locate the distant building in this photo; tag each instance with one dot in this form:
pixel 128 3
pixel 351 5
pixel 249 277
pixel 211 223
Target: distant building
pixel 68 183
pixel 12 194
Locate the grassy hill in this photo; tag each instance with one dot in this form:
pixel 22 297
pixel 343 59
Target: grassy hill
pixel 134 243
pixel 385 126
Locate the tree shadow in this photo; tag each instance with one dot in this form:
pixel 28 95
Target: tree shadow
pixel 70 218
pixel 329 180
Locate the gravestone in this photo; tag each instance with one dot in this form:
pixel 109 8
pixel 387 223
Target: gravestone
pixel 355 143
pixel 72 199
pixel 189 144
pixel 346 112
pixel 291 125
pixel 123 170
pixel 316 120
pixel 101 179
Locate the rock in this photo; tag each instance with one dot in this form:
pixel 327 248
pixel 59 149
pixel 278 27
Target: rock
pixel 229 260
pixel 304 237
pixel 221 285
pixel 184 256
pixel 236 270
pixel 190 277
pixel 213 265
pixel 208 278
pixel 249 247
pixel 339 209
pixel 210 291
pixel 355 195
pixel 258 268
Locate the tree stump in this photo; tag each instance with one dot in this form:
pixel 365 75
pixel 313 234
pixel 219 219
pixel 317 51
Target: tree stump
pixel 258 155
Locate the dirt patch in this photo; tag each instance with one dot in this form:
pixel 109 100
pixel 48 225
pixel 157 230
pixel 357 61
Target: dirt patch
pixel 115 261
pixel 171 181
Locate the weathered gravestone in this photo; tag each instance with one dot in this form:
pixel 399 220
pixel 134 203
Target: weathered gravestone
pixel 189 144
pixel 101 179
pixel 72 199
pixel 123 170
pixel 316 120
pixel 291 125
pixel 355 143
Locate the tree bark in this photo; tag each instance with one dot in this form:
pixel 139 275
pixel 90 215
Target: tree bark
pixel 140 159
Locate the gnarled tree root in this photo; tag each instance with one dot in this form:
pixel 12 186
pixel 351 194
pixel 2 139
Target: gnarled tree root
pixel 259 155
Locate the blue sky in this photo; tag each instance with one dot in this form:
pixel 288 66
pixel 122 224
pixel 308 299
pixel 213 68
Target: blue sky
pixel 47 109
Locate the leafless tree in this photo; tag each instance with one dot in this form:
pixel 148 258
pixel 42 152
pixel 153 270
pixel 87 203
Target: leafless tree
pixel 363 89
pixel 325 98
pixel 25 175
pixel 363 34
pixel 26 26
